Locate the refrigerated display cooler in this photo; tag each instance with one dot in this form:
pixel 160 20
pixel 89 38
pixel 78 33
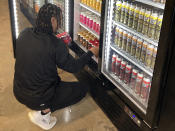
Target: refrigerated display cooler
pixel 86 28
pixel 136 52
pixel 132 79
pixel 23 14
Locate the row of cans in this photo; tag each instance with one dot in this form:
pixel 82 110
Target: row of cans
pixel 95 4
pixel 136 81
pixel 135 46
pixel 90 21
pixel 143 20
pixel 160 1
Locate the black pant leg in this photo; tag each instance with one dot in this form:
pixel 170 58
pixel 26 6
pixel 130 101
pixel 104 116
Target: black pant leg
pixel 68 93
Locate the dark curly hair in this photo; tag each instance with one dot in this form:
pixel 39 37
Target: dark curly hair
pixel 43 21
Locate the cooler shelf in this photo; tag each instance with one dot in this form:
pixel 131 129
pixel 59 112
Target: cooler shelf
pixel 133 60
pixel 151 3
pixel 85 50
pixel 92 32
pixel 90 9
pixel 130 30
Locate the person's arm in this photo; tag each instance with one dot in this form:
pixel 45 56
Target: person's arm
pixel 66 62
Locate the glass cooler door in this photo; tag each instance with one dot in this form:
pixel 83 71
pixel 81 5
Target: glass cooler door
pixel 131 37
pixel 87 15
pixel 64 5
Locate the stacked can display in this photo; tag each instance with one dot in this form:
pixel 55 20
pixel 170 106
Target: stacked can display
pixel 90 21
pixel 94 4
pixel 87 39
pixel 143 20
pixel 135 46
pixel 130 76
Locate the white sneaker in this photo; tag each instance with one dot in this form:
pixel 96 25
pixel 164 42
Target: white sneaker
pixel 46 122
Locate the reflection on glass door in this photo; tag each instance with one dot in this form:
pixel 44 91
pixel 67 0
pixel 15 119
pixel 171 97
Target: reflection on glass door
pixel 130 46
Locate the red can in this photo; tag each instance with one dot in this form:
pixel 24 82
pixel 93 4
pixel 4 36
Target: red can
pixel 94 25
pixel 118 64
pixel 128 72
pixel 87 21
pixel 138 83
pixel 90 22
pixel 113 63
pixel 122 70
pixel 145 89
pixel 133 79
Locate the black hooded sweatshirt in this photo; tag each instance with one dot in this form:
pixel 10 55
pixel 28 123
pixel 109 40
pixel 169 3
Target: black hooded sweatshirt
pixel 37 57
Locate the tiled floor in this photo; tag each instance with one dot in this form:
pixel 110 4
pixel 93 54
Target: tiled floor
pixel 84 116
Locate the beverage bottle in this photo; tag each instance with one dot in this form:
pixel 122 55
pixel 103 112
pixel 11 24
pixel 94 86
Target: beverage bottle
pixel 143 52
pixel 131 15
pixel 146 22
pixel 97 5
pixel 140 20
pixel 100 6
pixel 139 48
pixel 129 42
pixel 133 46
pixel 145 89
pixel 124 41
pixel 122 70
pixel 91 3
pixel 118 10
pixel 94 4
pixel 127 7
pixel 152 25
pixel 122 12
pixel 118 64
pixel 138 83
pixel 88 2
pixel 136 17
pixel 120 38
pixel 154 57
pixel 158 27
pixel 113 63
pixel 149 54
pixel 133 79
pixel 127 77
pixel 116 35
pixel 91 22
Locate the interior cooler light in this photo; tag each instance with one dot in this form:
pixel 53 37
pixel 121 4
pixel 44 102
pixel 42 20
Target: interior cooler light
pixel 67 15
pixel 15 18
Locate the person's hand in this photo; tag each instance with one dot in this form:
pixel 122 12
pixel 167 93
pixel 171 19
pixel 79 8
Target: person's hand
pixel 95 51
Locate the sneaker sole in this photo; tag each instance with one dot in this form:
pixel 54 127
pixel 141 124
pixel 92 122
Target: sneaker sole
pixel 34 122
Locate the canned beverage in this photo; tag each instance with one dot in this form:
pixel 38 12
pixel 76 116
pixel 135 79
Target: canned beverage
pixel 139 48
pixel 129 42
pixel 116 35
pixel 149 53
pixel 133 46
pixel 124 41
pixel 122 70
pixel 138 83
pixel 94 24
pixel 90 22
pixel 118 64
pixel 120 38
pixel 145 89
pixel 113 63
pixel 87 21
pixel 127 77
pixel 143 52
pixel 133 79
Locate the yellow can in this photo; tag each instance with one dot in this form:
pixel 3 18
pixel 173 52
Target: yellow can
pixel 97 5
pixel 88 2
pixel 94 4
pixel 91 3
pixel 100 5
pixel 85 2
